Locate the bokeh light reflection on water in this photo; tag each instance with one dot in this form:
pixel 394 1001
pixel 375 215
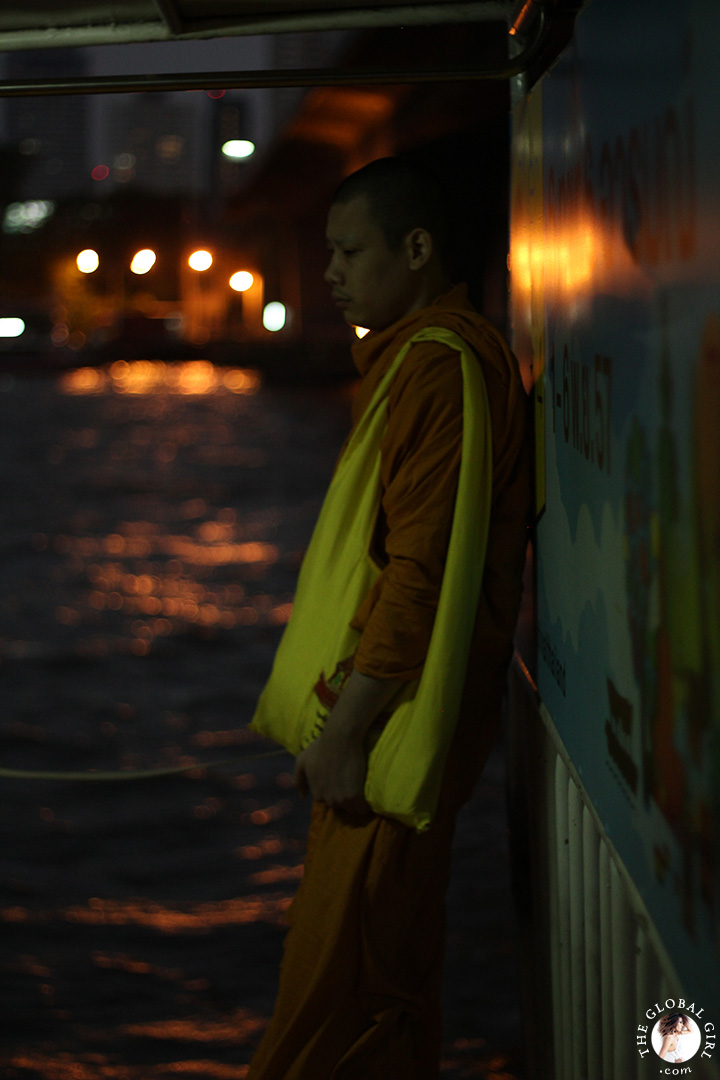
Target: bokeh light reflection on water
pixel 153 521
pixel 149 376
pixel 153 584
pixel 63 1067
pixel 142 582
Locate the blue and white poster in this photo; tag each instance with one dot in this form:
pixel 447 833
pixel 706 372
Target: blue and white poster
pixel 615 260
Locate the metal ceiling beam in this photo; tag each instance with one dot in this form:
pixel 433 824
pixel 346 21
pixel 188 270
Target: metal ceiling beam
pixel 253 80
pixel 359 18
pixel 172 27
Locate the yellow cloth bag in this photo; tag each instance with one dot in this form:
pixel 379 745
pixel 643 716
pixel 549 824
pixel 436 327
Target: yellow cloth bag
pixel 406 763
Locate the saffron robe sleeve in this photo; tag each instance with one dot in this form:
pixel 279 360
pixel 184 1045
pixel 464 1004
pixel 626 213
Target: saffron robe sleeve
pixel 420 459
pixel 419 468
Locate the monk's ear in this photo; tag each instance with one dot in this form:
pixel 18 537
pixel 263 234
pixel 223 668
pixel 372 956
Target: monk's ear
pixel 419 248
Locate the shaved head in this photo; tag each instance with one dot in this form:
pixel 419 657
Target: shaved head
pixel 401 197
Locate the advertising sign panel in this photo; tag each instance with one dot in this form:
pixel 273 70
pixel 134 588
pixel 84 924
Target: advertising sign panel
pixel 615 264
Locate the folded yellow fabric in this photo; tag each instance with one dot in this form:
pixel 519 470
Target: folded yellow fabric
pixel 406 763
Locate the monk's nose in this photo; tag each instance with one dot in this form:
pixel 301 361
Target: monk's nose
pixel 333 275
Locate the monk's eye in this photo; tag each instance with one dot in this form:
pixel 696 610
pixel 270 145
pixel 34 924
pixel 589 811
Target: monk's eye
pixel 349 251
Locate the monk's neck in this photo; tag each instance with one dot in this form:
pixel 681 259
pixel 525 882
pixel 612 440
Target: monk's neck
pixel 431 287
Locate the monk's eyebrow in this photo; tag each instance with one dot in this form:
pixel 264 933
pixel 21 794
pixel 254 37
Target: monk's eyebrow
pixel 343 241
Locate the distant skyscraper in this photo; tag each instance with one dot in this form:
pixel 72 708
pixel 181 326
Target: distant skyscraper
pixel 50 132
pixel 229 122
pixel 153 143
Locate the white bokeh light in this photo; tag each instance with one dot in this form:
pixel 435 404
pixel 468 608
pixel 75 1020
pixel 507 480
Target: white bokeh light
pixel 274 315
pixel 11 327
pixel 238 148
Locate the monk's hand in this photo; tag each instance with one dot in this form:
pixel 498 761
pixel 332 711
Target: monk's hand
pixel 333 768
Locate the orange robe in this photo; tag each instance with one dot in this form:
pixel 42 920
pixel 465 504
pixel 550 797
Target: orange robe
pixel 359 994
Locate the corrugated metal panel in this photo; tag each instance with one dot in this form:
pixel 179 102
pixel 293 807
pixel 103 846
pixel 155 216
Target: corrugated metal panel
pixel 593 959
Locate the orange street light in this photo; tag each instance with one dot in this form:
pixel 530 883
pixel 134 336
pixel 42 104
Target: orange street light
pixel 241 281
pixel 87 261
pixel 200 260
pixel 143 261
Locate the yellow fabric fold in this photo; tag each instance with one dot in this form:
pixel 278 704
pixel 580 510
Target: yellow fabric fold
pixel 406 763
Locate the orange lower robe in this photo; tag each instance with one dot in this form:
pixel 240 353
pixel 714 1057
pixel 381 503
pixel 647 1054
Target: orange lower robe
pixel 359 993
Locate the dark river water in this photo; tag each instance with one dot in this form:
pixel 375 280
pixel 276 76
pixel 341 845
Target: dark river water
pixel 153 520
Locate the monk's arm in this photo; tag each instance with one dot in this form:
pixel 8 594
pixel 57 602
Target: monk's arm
pixel 334 766
pixel 419 467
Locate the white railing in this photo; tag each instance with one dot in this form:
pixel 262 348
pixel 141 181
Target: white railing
pixel 592 958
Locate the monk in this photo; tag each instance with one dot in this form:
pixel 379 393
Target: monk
pixel 359 994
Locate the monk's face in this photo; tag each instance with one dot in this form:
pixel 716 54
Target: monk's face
pixel 372 285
